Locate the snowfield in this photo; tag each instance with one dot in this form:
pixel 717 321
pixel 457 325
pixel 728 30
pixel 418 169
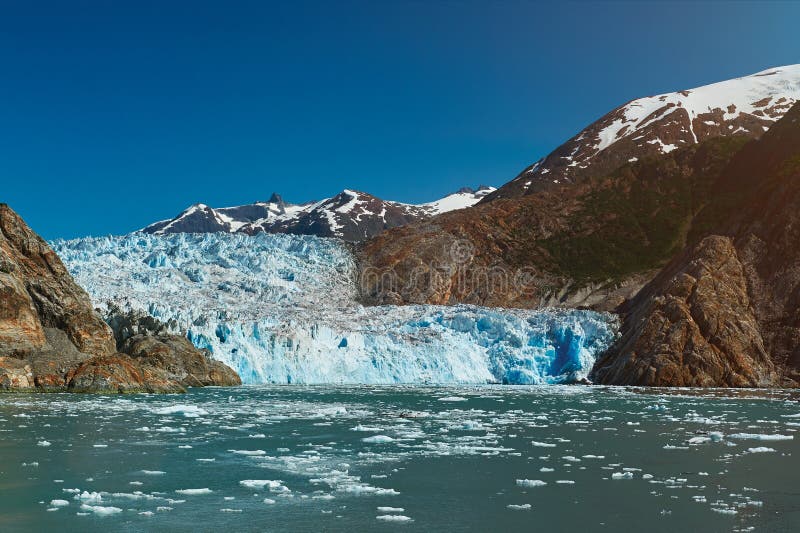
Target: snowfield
pixel 283 309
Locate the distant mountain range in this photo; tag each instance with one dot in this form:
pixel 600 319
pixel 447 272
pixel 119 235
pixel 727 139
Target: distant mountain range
pixel 350 215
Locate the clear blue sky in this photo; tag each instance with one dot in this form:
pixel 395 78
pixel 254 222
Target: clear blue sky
pixel 114 114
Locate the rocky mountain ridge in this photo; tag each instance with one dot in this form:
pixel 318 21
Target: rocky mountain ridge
pixel 350 215
pixel 660 124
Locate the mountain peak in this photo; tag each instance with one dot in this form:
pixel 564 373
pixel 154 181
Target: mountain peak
pixel 351 215
pixel 655 125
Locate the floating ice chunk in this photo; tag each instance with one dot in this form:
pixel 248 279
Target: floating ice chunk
pixel 153 472
pixel 622 475
pixel 760 449
pixel 194 492
pixel 99 445
pixel 452 399
pixel 59 503
pixel 249 452
pixel 43 443
pixel 394 518
pixel 101 510
pixel 364 489
pixel 273 485
pixel 229 510
pixel 565 482
pixel 542 444
pixel 523 507
pixel 269 501
pixel 378 439
pixel 366 428
pixel 391 510
pixel 528 483
pixel 757 436
pixel 189 411
pixel 87 496
pixel 545 469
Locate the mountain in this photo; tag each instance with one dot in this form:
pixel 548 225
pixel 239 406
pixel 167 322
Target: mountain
pixel 592 222
pixel 350 215
pixel 51 339
pixel 726 310
pixel 659 124
pixel 592 243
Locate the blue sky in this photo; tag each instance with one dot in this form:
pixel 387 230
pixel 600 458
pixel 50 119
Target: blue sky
pixel 117 114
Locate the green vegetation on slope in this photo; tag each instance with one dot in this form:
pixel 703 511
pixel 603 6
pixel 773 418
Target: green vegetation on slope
pixel 638 217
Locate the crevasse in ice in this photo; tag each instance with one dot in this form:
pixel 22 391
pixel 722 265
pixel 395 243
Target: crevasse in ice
pixel 282 309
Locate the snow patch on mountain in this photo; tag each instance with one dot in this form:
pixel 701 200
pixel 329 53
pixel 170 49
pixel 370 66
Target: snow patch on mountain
pixel 658 125
pixel 767 94
pixel 283 309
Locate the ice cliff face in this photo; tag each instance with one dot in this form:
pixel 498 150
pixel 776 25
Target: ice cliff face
pixel 282 309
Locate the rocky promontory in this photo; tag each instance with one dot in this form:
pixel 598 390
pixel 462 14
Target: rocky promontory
pixel 51 339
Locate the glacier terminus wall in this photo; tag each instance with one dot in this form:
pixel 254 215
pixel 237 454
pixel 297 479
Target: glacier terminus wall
pixel 283 309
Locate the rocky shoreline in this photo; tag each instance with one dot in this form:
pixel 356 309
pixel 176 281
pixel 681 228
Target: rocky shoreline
pixel 52 340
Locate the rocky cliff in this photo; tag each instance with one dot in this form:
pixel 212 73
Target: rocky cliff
pixel 52 340
pixel 726 311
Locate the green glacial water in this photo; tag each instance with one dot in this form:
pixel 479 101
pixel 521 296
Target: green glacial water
pixel 328 458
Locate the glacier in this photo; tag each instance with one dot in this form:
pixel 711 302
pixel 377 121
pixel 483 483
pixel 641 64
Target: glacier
pixel 284 309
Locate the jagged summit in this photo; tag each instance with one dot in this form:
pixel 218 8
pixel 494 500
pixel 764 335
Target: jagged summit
pixel 655 125
pixel 351 215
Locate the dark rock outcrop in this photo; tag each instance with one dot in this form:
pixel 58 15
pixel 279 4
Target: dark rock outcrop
pixel 693 326
pixel 180 360
pixel 52 340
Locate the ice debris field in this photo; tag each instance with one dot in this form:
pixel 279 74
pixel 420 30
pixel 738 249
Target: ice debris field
pixel 283 309
pixel 350 458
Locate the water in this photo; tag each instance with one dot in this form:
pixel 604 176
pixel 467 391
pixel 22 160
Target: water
pixel 335 458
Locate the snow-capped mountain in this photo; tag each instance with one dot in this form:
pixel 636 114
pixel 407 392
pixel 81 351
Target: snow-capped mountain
pixel 660 124
pixel 350 215
pixel 284 309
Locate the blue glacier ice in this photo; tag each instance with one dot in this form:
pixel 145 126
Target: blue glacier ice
pixel 283 309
